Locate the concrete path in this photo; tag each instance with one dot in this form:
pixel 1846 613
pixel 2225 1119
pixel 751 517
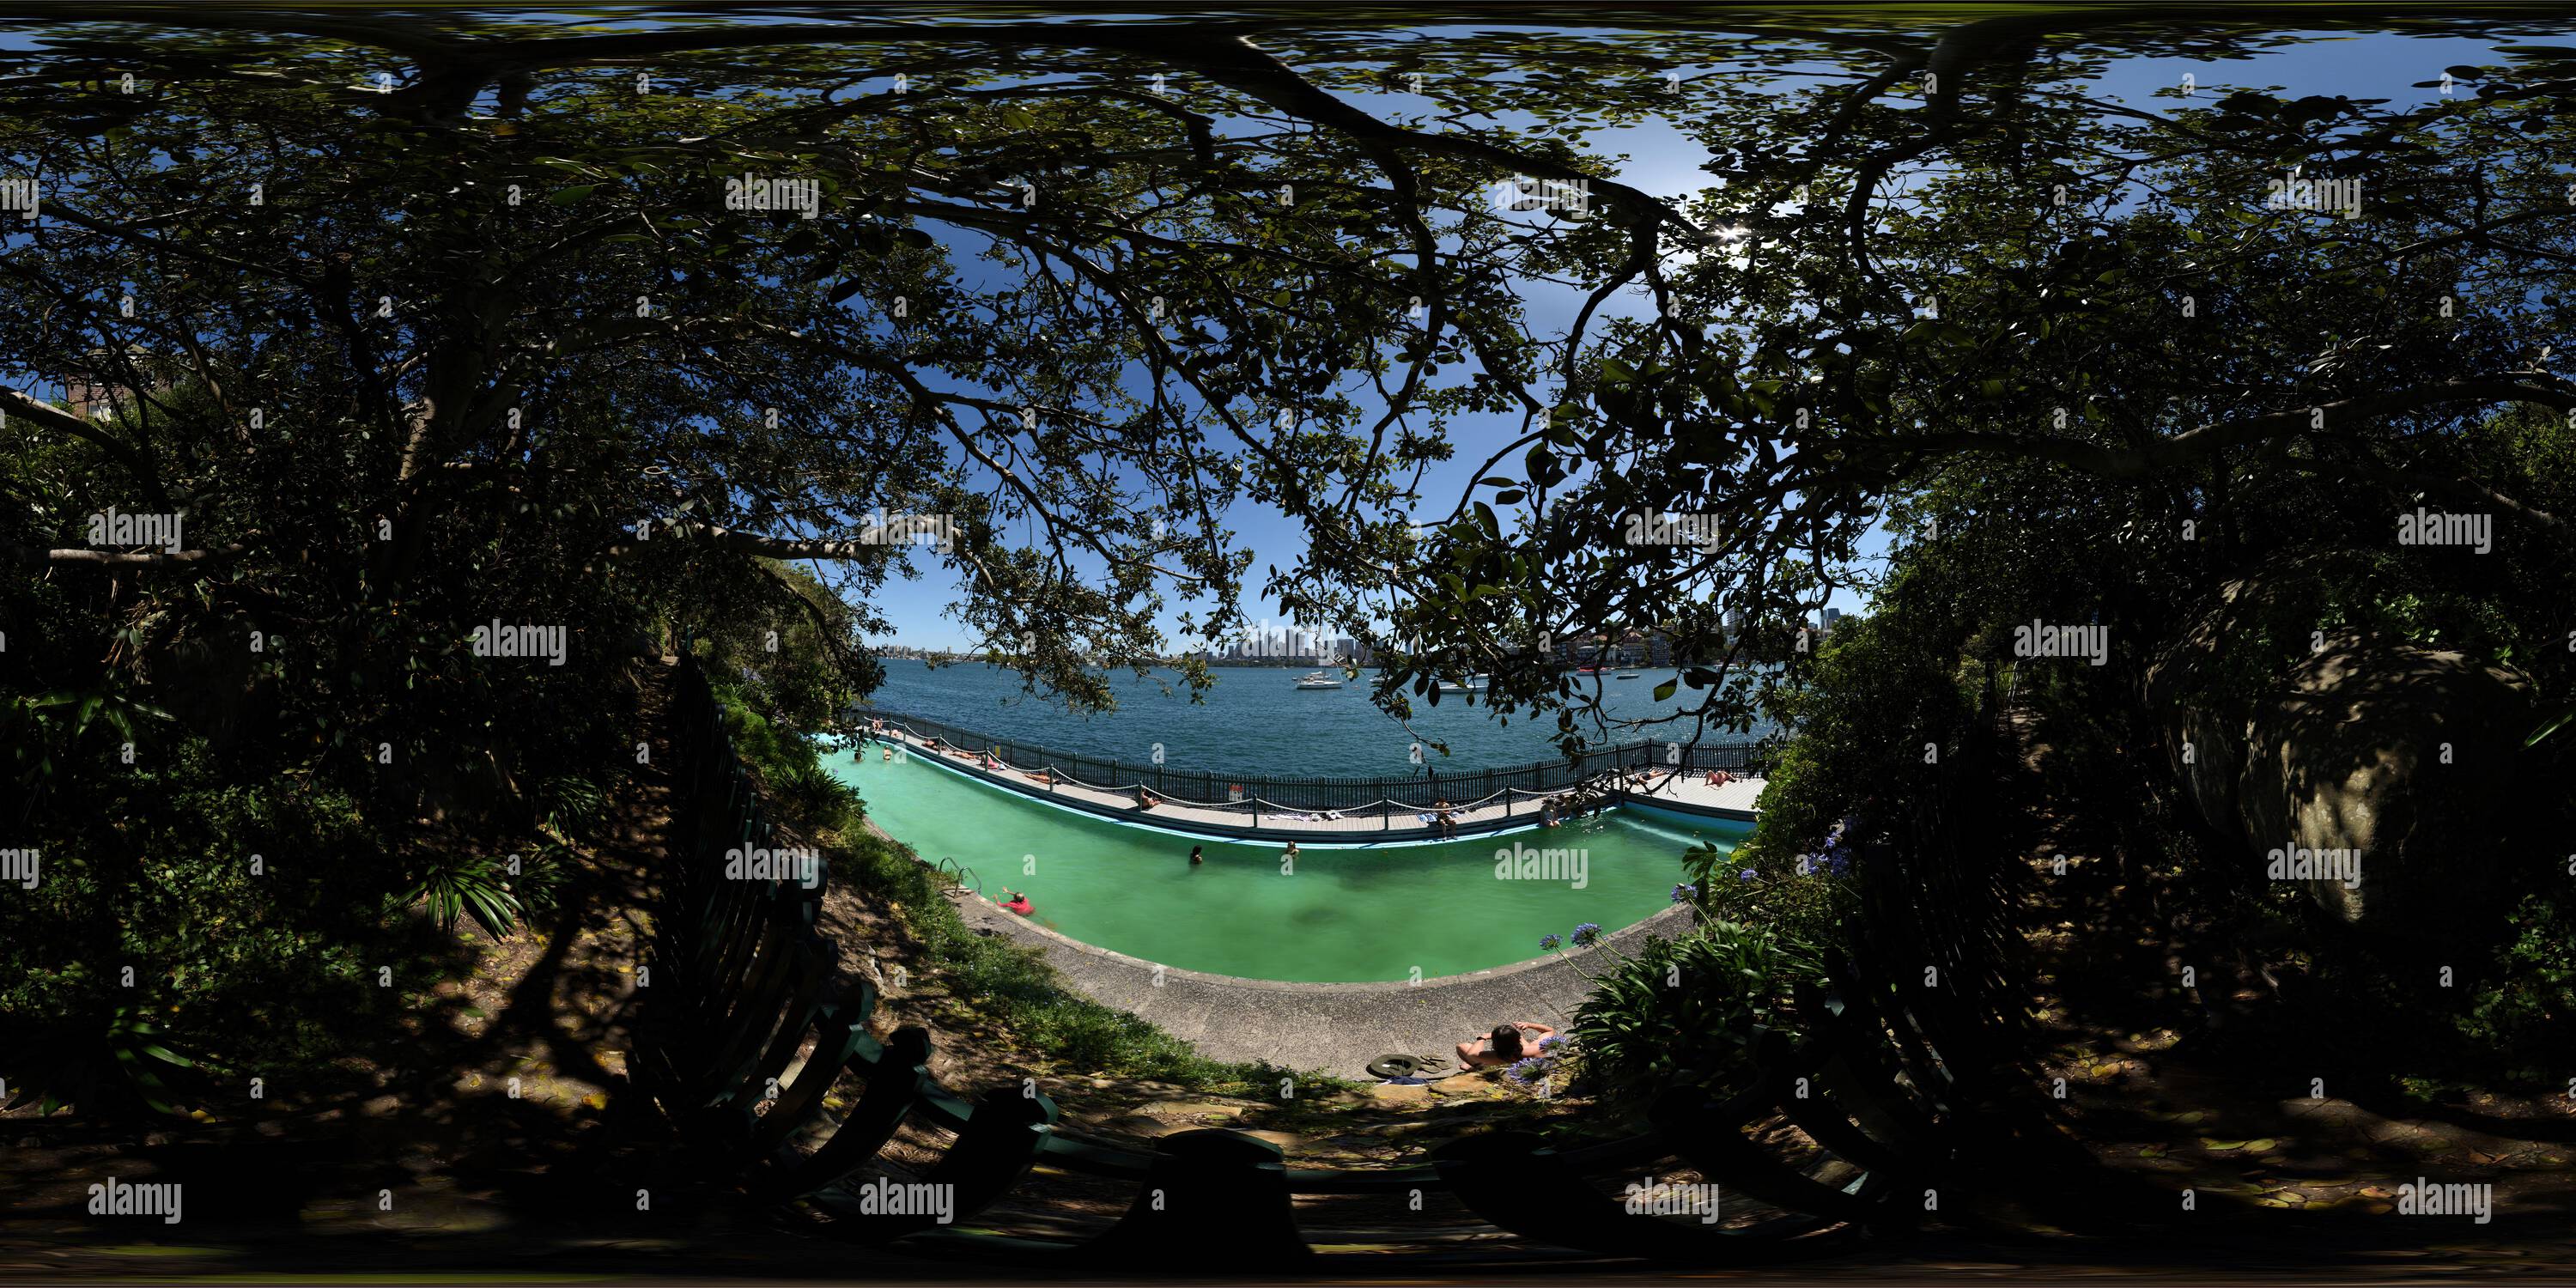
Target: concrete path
pixel 1335 1028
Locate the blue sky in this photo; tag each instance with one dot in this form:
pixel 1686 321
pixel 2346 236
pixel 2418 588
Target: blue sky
pixel 1663 161
pixel 1660 159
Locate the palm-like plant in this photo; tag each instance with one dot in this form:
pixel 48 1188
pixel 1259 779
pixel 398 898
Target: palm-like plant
pixel 99 1070
pixel 456 885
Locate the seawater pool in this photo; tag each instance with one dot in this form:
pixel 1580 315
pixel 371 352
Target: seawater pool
pixel 1343 916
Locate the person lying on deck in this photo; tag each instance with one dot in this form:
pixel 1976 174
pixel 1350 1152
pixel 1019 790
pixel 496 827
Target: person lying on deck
pixel 1507 1044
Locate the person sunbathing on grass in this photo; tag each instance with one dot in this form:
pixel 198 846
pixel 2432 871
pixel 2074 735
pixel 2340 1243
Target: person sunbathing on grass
pixel 1507 1044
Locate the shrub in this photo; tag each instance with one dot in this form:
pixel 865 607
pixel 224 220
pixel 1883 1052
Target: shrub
pixel 2528 1012
pixel 1685 1011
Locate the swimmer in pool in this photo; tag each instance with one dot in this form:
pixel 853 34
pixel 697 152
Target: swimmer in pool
pixel 1019 902
pixel 1196 858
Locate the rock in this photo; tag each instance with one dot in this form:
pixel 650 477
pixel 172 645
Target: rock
pixel 1145 1125
pixel 1389 1093
pixel 1190 1108
pixel 1460 1084
pixel 2405 759
pixel 1285 1140
pixel 2408 759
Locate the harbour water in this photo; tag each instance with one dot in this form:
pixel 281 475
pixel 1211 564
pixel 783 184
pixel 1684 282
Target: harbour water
pixel 1257 721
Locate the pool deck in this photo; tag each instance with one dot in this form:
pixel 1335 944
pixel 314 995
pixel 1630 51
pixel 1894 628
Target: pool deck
pixel 1332 1028
pixel 1735 800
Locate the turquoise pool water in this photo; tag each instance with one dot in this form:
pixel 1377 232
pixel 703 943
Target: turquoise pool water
pixel 1342 916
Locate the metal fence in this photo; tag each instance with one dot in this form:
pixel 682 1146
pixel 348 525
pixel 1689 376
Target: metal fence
pixel 1416 791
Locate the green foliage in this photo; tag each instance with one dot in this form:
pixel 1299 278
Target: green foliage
pixel 454 884
pixel 1883 687
pixel 2529 1012
pixel 1686 1011
pixel 99 1069
pixel 572 806
pixel 810 792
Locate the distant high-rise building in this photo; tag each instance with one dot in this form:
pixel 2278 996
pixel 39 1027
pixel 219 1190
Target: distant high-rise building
pixel 1833 616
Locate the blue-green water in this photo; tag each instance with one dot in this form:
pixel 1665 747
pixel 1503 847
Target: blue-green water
pixel 1338 916
pixel 1257 722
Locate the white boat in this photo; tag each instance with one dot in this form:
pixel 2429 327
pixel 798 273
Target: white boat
pixel 1469 685
pixel 1318 680
pixel 1629 675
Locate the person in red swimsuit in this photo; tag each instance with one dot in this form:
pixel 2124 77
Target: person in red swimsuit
pixel 1019 902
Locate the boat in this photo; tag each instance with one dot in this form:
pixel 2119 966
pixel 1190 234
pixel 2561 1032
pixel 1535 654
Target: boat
pixel 1318 680
pixel 1630 675
pixel 1468 685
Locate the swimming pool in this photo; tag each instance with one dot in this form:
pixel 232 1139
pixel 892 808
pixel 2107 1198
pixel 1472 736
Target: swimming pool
pixel 1342 916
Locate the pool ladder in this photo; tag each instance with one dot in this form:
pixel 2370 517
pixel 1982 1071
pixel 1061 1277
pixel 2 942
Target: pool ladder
pixel 960 876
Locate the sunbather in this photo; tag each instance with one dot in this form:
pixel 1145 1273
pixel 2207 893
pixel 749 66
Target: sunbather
pixel 1507 1044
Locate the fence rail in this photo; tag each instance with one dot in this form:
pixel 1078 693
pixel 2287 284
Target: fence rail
pixel 744 1039
pixel 1417 791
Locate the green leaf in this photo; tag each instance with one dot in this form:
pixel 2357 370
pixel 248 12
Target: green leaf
pixel 2551 726
pixel 567 196
pixel 1665 690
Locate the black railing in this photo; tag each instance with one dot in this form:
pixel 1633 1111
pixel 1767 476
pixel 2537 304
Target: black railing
pixel 1413 791
pixel 744 1040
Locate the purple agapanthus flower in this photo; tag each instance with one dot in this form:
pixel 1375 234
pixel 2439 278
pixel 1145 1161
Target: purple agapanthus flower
pixel 1551 1042
pixel 1528 1071
pixel 1548 943
pixel 1587 934
pixel 1685 891
pixel 1747 875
